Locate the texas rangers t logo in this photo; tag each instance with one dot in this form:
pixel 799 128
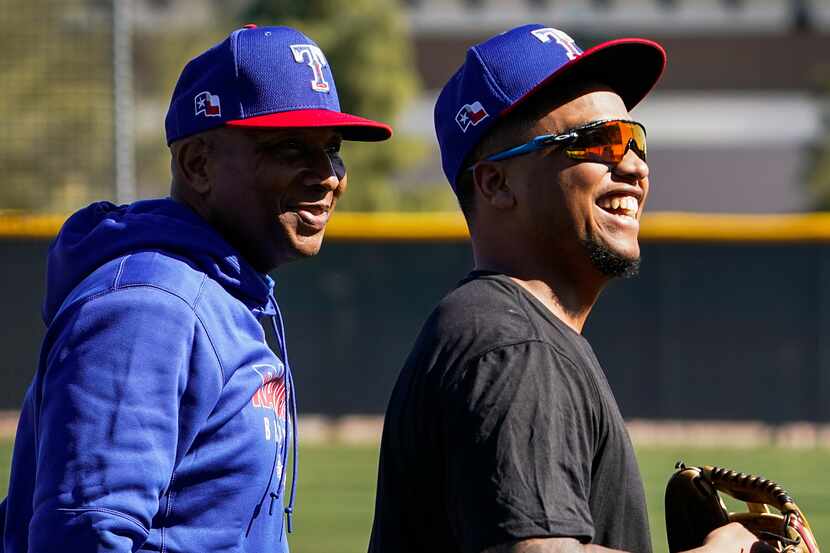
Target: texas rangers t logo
pixel 207 104
pixel 470 114
pixel 545 35
pixel 314 58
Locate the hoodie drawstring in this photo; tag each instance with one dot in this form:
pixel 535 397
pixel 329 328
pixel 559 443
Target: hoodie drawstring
pixel 290 413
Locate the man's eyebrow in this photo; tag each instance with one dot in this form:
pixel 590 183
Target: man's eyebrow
pixel 271 138
pixel 265 140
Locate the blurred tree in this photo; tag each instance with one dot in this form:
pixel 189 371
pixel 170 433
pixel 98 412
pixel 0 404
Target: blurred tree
pixel 370 53
pixel 159 55
pixel 56 119
pixel 55 109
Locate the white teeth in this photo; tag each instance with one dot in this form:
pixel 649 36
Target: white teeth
pixel 632 206
pixel 628 204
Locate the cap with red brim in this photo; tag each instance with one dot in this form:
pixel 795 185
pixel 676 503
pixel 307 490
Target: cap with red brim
pixel 266 77
pixel 351 127
pixel 503 72
pixel 629 66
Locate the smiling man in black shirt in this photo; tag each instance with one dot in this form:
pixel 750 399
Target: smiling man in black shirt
pixel 502 434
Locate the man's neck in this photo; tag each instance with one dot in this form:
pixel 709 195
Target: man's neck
pixel 568 291
pixel 571 310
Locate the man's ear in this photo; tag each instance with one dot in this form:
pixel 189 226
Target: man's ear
pixel 490 180
pixel 191 158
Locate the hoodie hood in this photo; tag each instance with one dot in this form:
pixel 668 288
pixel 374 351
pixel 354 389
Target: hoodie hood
pixel 104 231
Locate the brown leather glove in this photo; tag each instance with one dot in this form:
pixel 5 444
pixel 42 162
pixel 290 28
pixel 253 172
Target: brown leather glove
pixel 694 508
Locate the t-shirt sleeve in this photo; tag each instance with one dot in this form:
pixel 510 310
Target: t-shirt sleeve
pixel 520 439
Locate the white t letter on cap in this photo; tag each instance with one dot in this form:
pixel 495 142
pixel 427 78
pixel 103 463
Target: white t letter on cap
pixel 565 41
pixel 312 56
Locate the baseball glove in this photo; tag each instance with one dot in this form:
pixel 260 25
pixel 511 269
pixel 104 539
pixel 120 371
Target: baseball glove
pixel 694 508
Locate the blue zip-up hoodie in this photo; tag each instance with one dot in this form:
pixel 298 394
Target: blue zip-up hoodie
pixel 157 419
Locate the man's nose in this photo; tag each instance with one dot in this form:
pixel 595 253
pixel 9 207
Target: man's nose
pixel 329 168
pixel 632 166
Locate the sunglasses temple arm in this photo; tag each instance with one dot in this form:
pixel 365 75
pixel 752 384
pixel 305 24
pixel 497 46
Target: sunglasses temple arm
pixel 513 152
pixel 532 146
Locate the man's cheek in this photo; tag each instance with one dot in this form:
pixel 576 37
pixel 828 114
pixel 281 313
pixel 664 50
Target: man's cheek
pixel 341 189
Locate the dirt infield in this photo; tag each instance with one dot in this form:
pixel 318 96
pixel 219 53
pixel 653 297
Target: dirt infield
pixel 366 429
pixel 729 433
pixel 8 423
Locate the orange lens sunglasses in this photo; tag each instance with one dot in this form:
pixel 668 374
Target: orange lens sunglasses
pixel 603 141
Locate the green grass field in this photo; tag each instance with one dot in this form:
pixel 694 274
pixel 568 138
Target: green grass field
pixel 336 489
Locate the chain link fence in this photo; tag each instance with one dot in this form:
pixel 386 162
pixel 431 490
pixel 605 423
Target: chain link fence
pixel 85 90
pixel 56 103
pixel 85 87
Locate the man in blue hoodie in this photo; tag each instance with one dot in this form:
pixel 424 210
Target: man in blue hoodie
pixel 159 419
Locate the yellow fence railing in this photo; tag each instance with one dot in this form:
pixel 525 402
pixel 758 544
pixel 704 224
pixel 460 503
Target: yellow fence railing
pixel 30 226
pixel 657 226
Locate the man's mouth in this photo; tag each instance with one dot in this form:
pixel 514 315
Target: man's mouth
pixel 314 215
pixel 620 205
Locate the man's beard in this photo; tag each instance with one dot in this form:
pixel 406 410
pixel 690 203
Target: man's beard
pixel 610 263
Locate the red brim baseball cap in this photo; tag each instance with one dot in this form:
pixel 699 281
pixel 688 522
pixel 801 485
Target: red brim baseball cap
pixel 265 77
pixel 505 71
pixel 351 127
pixel 629 66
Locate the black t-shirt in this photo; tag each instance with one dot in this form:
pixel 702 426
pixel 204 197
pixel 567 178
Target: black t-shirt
pixel 502 427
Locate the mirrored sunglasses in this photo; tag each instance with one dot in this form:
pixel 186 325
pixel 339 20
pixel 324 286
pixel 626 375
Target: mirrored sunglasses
pixel 602 141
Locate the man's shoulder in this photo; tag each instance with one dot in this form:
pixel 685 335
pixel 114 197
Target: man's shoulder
pixel 483 312
pixel 164 271
pixel 152 270
pixel 487 312
pixel 480 299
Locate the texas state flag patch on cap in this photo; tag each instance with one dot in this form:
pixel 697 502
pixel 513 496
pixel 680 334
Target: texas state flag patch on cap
pixel 470 114
pixel 207 104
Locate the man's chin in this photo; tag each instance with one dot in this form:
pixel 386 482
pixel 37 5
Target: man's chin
pixel 306 246
pixel 291 249
pixel 610 263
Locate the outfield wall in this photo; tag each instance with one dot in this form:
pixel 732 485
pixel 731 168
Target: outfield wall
pixel 725 322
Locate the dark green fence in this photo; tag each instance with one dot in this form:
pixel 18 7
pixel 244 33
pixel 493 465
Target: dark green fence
pixel 708 331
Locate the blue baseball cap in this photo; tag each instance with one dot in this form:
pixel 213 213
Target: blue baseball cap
pixel 506 70
pixel 265 77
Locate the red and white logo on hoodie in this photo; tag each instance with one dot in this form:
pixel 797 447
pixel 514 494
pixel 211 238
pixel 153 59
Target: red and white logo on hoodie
pixel 271 395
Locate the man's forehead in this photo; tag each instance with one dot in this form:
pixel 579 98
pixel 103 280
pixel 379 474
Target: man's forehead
pixel 320 133
pixel 593 105
pixel 270 134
